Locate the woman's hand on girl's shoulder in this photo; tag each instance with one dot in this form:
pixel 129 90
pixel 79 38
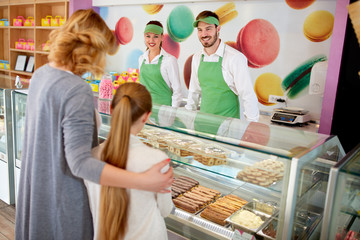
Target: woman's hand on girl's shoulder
pixel 155 180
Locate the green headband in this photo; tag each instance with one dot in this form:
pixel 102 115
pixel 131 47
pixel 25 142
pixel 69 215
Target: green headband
pixel 209 20
pixel 153 29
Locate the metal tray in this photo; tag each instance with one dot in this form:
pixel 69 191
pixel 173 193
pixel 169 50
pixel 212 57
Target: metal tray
pixel 255 208
pixel 305 223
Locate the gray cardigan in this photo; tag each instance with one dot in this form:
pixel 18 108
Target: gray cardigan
pixel 52 200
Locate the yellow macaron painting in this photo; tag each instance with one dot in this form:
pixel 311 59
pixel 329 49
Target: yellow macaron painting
pixel 318 26
pixel 152 8
pixel 268 84
pixel 226 13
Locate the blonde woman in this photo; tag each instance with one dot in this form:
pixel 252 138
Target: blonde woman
pixel 59 129
pixel 120 213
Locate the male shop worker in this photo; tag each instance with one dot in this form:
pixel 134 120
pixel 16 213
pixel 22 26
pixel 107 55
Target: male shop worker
pixel 220 75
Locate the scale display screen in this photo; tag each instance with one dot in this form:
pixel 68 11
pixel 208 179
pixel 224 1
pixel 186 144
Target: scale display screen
pixel 283 117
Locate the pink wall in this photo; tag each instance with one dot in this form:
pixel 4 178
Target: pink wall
pixel 80 4
pixel 335 55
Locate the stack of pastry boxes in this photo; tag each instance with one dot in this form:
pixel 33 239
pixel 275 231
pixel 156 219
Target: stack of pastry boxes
pixel 156 138
pixel 209 154
pixel 184 146
pixel 263 173
pixel 192 197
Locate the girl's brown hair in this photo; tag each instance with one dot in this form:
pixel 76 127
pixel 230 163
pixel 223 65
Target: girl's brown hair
pixel 130 102
pixel 82 42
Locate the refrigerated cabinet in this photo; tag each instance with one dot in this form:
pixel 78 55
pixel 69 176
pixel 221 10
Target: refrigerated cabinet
pixel 6 158
pixel 297 196
pixel 342 209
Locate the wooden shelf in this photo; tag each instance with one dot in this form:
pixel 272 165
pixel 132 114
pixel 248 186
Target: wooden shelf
pixel 22 73
pixel 23 27
pixel 37 9
pixel 42 52
pixel 20 50
pixel 46 28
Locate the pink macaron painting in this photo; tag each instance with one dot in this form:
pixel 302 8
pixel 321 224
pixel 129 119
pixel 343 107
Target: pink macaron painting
pixel 187 71
pixel 124 30
pixel 259 41
pixel 171 46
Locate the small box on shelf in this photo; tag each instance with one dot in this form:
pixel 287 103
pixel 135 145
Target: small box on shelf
pixel 4 22
pixel 52 14
pixel 19 13
pixel 4 65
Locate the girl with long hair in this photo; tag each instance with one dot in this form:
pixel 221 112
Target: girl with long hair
pixel 59 133
pixel 121 213
pixel 159 70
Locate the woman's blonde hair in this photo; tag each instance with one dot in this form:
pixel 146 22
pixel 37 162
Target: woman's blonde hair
pixel 82 42
pixel 130 102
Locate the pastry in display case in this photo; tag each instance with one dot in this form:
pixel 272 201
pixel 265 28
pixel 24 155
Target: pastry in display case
pixel 342 208
pixel 247 178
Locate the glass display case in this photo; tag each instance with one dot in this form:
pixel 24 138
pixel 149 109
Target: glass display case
pixel 6 159
pixel 276 175
pixel 19 106
pixel 342 209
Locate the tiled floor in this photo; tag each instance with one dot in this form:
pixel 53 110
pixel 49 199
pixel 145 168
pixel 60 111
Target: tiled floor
pixel 7 221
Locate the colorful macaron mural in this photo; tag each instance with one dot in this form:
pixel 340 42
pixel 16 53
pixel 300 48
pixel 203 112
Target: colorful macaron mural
pixel 282 40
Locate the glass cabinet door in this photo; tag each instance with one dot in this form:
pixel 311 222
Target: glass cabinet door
pixel 2 126
pixel 6 150
pixel 342 218
pixel 19 106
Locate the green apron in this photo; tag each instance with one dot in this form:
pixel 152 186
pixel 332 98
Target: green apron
pixel 150 77
pixel 216 97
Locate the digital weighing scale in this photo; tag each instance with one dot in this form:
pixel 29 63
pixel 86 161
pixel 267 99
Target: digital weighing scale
pixel 292 116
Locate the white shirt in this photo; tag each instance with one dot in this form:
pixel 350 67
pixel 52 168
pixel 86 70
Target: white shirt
pixel 146 210
pixel 236 75
pixel 169 70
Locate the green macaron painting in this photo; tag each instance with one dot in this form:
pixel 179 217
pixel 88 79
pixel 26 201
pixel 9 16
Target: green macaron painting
pixel 296 81
pixel 179 23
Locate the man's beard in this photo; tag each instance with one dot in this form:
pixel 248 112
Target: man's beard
pixel 210 44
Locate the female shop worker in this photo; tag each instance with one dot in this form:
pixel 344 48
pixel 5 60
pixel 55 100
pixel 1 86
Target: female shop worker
pixel 159 70
pixel 128 214
pixel 59 128
pixel 220 75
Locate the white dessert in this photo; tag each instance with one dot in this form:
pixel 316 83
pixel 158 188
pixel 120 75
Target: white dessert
pixel 247 219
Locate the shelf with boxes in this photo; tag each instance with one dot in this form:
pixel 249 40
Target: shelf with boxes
pixel 25 26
